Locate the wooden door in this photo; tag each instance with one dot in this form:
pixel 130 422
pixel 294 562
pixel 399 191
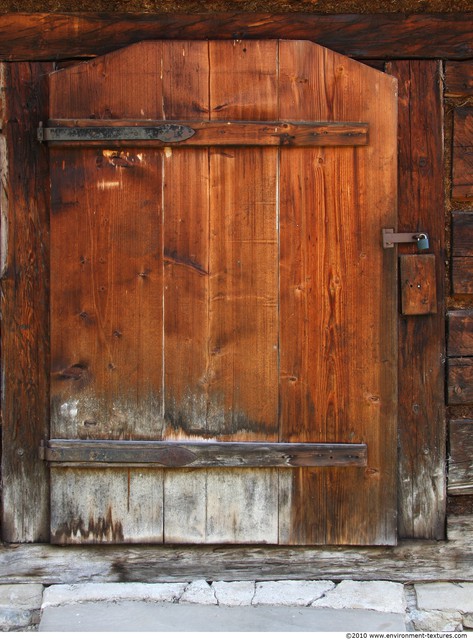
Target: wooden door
pixel 222 310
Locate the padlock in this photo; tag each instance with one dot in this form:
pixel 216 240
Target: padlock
pixel 422 241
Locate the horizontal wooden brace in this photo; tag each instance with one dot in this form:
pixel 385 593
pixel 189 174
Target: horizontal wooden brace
pixel 204 133
pixel 56 36
pixel 194 454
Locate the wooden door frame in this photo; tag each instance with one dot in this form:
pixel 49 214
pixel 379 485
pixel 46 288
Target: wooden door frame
pixel 29 45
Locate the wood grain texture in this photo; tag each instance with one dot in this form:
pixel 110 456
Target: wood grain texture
pixel 333 272
pixel 65 36
pixel 186 247
pixel 422 339
pixel 221 506
pixel 409 561
pixel 460 463
pixel 201 454
pixel 24 304
pixel 417 275
pixel 460 380
pixel 462 234
pixel 458 79
pixel 460 333
pixel 109 506
pixel 122 133
pixel 462 275
pixel 243 312
pixel 211 240
pixel 462 187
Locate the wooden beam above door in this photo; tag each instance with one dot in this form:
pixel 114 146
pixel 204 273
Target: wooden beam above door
pixel 56 36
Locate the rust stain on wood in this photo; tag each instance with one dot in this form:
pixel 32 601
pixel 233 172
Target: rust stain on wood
pixel 102 529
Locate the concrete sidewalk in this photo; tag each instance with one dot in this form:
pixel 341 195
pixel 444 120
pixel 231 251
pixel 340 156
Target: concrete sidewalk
pixel 284 605
pixel 148 616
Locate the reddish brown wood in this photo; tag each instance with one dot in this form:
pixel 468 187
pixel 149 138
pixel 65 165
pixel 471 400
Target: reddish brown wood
pixel 462 154
pixel 205 134
pixel 462 275
pixel 460 333
pixel 218 246
pixel 338 377
pixel 422 338
pixel 417 275
pixel 186 248
pixel 462 233
pixel 459 79
pixel 106 264
pixel 243 349
pixel 460 380
pixel 24 304
pixel 44 36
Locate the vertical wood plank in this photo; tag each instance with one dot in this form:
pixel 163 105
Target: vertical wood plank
pixel 109 506
pixel 422 339
pixel 186 240
pixel 338 373
pixel 106 286
pixel 243 260
pixel 24 304
pixel 219 506
pixel 106 294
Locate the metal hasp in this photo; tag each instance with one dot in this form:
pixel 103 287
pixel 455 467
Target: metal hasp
pixel 164 133
pixel 390 239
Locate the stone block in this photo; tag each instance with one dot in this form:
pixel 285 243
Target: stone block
pixel 468 621
pixel 292 593
pixel 61 594
pixel 199 592
pixel 23 596
pixel 436 621
pixel 374 595
pixel 445 596
pixel 234 594
pixel 17 619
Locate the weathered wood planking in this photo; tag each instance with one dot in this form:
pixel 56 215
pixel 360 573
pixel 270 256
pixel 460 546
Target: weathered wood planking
pixel 462 275
pixel 422 338
pixel 462 168
pixel 460 465
pixel 338 377
pixel 24 303
pixel 110 506
pixel 460 380
pixel 458 79
pixel 460 333
pixel 462 250
pixel 462 233
pixel 418 279
pixel 58 36
pixel 409 561
pixel 192 133
pixel 202 454
pixel 186 247
pixel 237 326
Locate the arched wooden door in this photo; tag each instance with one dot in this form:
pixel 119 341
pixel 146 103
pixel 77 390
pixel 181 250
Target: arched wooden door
pixel 222 311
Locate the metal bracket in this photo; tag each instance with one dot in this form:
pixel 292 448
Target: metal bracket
pixel 164 133
pixel 390 239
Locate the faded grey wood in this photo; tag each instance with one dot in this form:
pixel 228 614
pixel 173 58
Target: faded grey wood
pixel 460 467
pixel 410 560
pixel 107 506
pixel 219 506
pixel 203 454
